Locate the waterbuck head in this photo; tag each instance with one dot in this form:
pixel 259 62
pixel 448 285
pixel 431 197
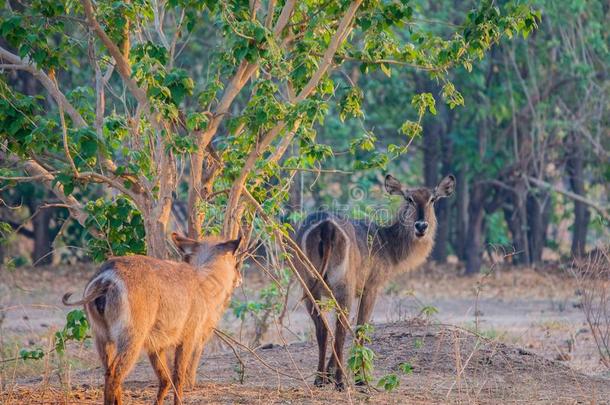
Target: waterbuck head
pixel 208 251
pixel 417 212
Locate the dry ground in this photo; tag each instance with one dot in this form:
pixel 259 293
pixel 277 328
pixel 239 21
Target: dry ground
pixel 534 348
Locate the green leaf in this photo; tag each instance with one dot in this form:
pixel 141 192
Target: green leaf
pixel 385 69
pixel 406 368
pixel 389 382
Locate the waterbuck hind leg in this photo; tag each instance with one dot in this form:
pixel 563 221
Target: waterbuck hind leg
pixel 127 352
pixel 343 297
pixel 107 353
pixel 158 361
pixel 321 337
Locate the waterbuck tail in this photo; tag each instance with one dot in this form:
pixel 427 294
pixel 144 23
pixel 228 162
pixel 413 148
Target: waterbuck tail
pixel 325 247
pixel 95 292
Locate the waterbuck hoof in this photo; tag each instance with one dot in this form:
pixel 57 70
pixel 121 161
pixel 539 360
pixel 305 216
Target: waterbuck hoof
pixel 321 380
pixel 360 383
pixel 340 386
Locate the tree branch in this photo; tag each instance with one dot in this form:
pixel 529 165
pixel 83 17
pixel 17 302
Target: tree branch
pixel 19 228
pixel 603 210
pixel 342 32
pixel 269 16
pixel 232 215
pixel 25 179
pixel 203 138
pixel 284 17
pixel 47 83
pixel 75 207
pixel 122 63
pixel 64 105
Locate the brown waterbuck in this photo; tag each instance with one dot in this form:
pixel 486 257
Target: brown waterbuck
pixel 356 257
pixel 139 302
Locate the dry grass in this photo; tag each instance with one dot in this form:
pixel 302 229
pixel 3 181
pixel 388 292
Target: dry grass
pixel 592 274
pixel 450 365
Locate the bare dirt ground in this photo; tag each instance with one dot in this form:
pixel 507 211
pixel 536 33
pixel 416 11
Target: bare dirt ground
pixel 532 345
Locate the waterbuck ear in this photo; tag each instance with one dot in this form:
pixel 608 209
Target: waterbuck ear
pixel 392 185
pixel 445 187
pixel 228 247
pixel 186 245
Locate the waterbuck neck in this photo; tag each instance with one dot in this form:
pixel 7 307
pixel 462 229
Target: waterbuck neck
pixel 219 278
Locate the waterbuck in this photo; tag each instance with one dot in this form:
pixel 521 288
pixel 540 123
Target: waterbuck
pixel 356 258
pixel 139 302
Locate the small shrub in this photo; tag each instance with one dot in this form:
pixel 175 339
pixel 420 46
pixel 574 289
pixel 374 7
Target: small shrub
pixel 360 360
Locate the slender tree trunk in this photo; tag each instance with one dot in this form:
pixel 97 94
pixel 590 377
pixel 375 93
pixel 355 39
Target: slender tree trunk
pixel 43 242
pixel 438 150
pixel 432 156
pixel 516 217
pixel 575 169
pixel 538 214
pixel 210 168
pixel 444 206
pixel 155 226
pixel 461 216
pixel 295 199
pixel 439 253
pixel 473 247
pixel 156 231
pixel 582 216
pixel 432 151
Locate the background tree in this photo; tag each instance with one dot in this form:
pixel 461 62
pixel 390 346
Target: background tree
pixel 198 101
pixel 521 170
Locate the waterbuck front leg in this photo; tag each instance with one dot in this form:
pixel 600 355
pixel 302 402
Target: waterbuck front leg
pixel 365 309
pixel 158 361
pixel 321 337
pixel 182 360
pixel 367 304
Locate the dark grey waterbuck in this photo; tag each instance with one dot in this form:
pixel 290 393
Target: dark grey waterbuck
pixel 357 257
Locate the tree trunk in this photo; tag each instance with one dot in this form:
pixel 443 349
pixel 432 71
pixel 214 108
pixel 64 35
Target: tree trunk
pixel 438 150
pixel 473 247
pixel 516 217
pixel 295 198
pixel 156 232
pixel 432 152
pixel 461 216
pixel 195 215
pixel 538 215
pixel 155 227
pixel 439 252
pixel 444 206
pixel 575 169
pixel 43 243
pixel 432 157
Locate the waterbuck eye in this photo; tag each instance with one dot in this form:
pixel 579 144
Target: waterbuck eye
pixel 410 200
pixel 432 200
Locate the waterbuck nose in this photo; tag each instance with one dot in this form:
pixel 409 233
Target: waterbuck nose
pixel 421 226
